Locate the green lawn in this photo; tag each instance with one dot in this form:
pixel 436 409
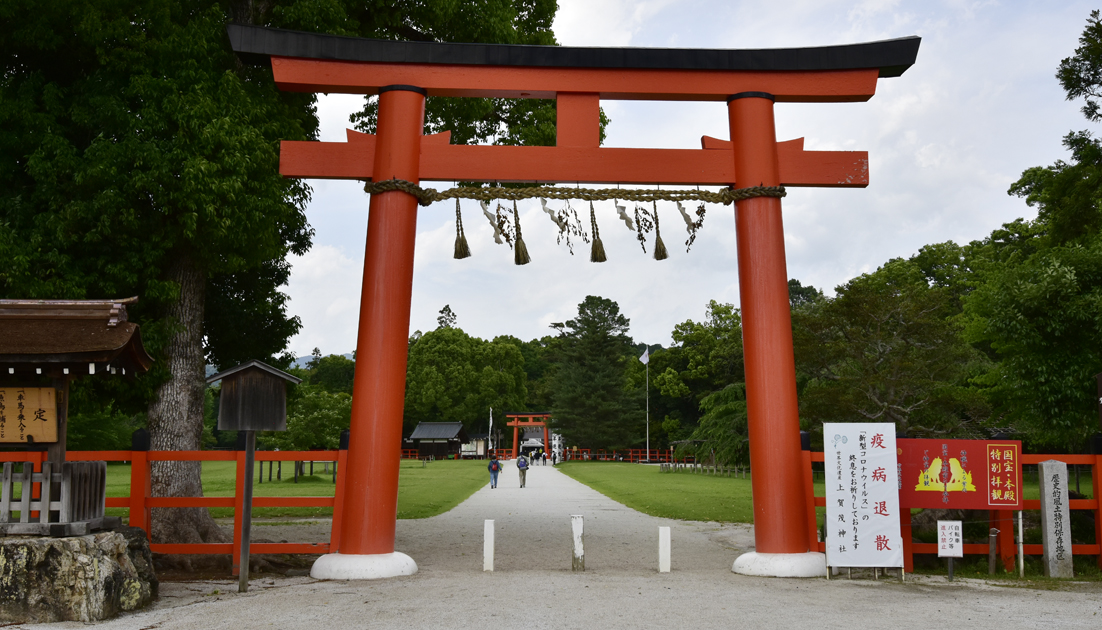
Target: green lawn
pixel 681 495
pixel 422 491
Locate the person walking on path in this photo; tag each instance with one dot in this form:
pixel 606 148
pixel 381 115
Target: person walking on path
pixel 495 468
pixel 522 467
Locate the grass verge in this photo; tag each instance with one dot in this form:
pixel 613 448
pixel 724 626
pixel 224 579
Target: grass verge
pixel 682 495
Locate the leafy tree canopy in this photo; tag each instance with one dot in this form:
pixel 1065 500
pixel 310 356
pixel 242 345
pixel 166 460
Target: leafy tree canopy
pixel 333 373
pixel 453 377
pixel 886 349
pixel 315 419
pixel 1038 283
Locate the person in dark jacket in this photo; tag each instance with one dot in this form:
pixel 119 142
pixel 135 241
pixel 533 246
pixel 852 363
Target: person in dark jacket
pixel 494 468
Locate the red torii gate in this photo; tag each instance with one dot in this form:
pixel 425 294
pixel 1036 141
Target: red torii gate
pixel 404 73
pixel 518 421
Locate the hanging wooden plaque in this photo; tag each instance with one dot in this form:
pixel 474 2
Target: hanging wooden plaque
pixel 28 412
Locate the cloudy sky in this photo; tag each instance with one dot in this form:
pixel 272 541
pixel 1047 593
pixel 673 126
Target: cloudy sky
pixel 945 141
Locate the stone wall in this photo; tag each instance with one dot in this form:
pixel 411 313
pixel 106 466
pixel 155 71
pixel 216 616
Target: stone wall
pixel 81 578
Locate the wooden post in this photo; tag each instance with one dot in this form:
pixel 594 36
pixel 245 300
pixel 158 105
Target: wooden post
pixel 238 511
pixel 578 561
pixel 809 503
pixel 663 549
pixel 338 494
pixel 246 516
pixel 140 515
pixel 1096 490
pixel 908 541
pixel 488 546
pixel 993 545
pixel 56 452
pixel 1005 524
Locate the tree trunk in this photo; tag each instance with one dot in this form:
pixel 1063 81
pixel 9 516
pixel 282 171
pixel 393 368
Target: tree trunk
pixel 176 415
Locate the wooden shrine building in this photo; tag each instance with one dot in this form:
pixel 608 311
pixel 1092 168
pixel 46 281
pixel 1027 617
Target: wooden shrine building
pixel 438 440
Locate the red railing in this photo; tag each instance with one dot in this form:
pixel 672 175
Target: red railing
pixel 139 503
pixel 1003 520
pixel 629 455
pixel 653 455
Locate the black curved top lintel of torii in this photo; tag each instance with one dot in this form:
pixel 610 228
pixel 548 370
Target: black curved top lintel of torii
pixel 256 44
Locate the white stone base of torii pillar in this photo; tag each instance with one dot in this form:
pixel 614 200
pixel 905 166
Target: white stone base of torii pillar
pixel 799 565
pixel 338 566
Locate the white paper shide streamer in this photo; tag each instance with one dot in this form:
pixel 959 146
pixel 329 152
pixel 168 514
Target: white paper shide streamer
pixel 623 212
pixel 492 219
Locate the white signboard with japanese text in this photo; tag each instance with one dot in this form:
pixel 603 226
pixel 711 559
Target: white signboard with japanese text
pixel 862 495
pixel 950 542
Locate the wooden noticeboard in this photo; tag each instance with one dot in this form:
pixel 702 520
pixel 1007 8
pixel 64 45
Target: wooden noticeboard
pixel 28 412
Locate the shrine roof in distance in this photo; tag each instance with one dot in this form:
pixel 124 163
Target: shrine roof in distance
pixel 256 44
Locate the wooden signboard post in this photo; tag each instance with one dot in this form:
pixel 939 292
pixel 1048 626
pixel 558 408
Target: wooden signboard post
pixel 254 398
pixel 950 544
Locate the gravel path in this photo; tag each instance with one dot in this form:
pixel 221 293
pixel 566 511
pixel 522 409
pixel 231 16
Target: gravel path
pixel 532 585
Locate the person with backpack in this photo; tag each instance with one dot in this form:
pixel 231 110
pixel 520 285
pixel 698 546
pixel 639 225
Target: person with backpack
pixel 495 468
pixel 522 467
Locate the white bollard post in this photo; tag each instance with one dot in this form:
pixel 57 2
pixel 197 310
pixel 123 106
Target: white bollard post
pixel 488 547
pixel 663 549
pixel 578 563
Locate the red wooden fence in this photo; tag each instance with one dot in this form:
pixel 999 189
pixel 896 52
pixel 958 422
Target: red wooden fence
pixel 1003 520
pixel 140 502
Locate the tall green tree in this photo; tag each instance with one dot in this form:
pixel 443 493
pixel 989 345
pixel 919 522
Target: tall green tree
pixel 1039 283
pixel 594 404
pixel 706 357
pixel 143 160
pixel 139 156
pixel 887 349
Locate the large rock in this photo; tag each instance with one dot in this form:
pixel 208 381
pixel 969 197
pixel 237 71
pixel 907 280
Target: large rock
pixel 82 578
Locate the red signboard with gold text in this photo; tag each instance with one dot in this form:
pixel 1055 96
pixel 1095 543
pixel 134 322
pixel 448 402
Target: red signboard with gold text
pixel 960 474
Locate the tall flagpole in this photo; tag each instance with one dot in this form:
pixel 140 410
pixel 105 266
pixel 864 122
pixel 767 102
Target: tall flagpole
pixel 646 361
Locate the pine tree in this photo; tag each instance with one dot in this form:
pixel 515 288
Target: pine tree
pixel 594 405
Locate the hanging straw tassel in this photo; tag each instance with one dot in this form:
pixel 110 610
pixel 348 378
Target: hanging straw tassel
pixel 520 251
pixel 659 247
pixel 597 252
pixel 462 250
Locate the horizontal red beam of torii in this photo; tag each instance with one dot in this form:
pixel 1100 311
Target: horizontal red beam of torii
pixel 439 160
pixel 403 74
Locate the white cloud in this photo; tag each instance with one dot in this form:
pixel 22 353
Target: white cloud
pixel 325 293
pixel 945 141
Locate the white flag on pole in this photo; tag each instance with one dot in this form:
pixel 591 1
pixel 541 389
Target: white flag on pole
pixel 646 356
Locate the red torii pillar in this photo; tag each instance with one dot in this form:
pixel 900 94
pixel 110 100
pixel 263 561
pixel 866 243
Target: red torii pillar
pixel 772 410
pixel 750 82
pixel 374 446
pixel 516 443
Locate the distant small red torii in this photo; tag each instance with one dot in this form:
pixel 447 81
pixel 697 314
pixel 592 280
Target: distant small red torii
pixel 516 422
